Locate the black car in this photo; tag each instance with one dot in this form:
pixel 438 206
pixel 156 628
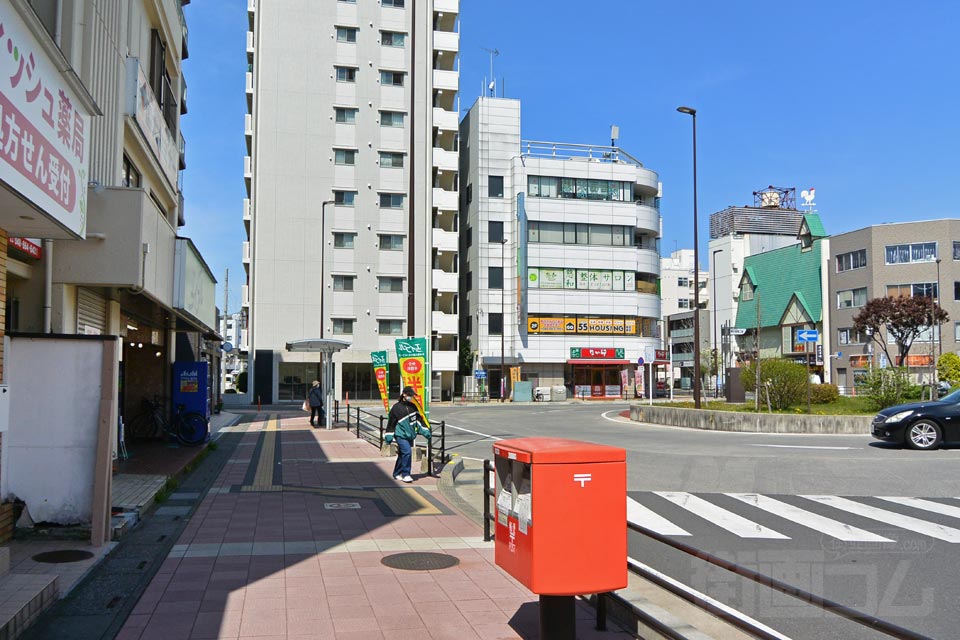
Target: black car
pixel 920 425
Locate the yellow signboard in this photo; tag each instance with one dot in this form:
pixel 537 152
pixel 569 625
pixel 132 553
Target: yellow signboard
pixel 582 326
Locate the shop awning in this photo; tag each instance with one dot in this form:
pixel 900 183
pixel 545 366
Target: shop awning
pixel 597 361
pixel 318 345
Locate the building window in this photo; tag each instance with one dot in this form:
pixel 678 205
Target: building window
pixel 581 188
pixel 907 253
pixel 391 119
pixel 345 115
pixel 391 201
pixel 391 243
pixel 851 298
pixel 345 157
pixel 917 289
pixel 683 303
pixel 391 160
pixel 390 284
pixel 343 240
pixel 956 250
pixel 495 186
pixel 572 233
pixel 746 291
pixel 392 38
pixel 495 231
pixel 131 177
pixel 343 326
pixel 344 198
pixel 343 283
pixel 495 324
pixel 469 193
pixel 346 74
pixel 849 336
pixel 396 4
pixel 390 327
pixel 392 78
pixel 346 34
pixel 495 278
pixel 956 331
pixel 683 282
pixel 852 260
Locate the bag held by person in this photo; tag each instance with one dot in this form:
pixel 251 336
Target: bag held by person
pixel 306 405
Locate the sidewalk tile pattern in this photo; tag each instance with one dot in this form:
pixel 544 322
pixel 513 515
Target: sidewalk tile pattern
pixel 263 556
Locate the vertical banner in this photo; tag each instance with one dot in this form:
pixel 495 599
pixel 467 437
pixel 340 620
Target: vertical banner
pixel 414 359
pixel 514 379
pixel 638 381
pixel 382 374
pixel 624 383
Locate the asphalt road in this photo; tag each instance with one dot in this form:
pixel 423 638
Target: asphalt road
pixel 806 509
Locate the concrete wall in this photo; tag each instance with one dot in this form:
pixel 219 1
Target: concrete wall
pixel 749 422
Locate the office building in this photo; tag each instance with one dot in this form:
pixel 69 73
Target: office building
pixel 560 255
pixel 352 183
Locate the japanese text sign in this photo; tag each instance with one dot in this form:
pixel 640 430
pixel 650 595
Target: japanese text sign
pixel 603 353
pixel 414 358
pixel 382 374
pixel 44 128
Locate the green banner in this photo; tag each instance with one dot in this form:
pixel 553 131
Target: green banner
pixel 413 354
pixel 381 372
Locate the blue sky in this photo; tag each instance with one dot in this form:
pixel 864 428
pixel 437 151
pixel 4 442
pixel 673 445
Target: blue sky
pixel 854 98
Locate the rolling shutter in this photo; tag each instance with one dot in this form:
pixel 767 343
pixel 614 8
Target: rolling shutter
pixel 91 312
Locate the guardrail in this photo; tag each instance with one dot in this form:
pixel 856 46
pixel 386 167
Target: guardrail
pixel 372 427
pixel 830 606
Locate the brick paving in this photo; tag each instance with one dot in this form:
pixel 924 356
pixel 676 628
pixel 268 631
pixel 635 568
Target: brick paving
pixel 278 549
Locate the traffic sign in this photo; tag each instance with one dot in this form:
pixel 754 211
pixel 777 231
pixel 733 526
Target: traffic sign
pixel 640 361
pixel 479 374
pixel 808 335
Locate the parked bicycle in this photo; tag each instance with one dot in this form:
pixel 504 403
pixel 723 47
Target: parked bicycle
pixel 187 427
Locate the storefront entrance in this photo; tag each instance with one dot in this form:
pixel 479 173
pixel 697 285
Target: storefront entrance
pixel 596 381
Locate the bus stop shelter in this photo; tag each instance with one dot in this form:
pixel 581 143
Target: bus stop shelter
pixel 326 347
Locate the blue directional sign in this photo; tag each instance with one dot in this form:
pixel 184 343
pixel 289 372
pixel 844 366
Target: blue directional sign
pixel 808 335
pixel 479 374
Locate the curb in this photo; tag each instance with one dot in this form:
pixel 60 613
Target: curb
pixel 447 484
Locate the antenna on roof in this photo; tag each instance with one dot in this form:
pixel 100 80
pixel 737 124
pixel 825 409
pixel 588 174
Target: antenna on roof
pixel 492 87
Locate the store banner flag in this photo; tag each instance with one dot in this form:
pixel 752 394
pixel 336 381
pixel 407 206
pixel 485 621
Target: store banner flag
pixel 414 359
pixel 382 373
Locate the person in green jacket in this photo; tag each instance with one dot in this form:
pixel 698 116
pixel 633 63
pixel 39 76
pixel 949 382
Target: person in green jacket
pixel 403 426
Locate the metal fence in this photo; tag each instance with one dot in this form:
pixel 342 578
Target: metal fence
pixel 372 428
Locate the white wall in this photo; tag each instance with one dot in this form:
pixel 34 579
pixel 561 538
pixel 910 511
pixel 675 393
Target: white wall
pixel 49 453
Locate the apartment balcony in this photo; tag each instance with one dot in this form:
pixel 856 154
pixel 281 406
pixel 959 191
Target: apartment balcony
pixel 136 250
pixel 184 54
pixel 247 124
pixel 648 181
pixel 251 6
pixel 250 83
pixel 153 120
pixel 444 360
pixel 247 253
pixel 247 217
pixel 446 160
pixel 648 219
pixel 648 261
pixel 446 41
pixel 446 6
pixel 445 120
pixel 250 43
pixel 445 323
pixel 445 200
pixel 446 241
pixel 446 80
pixel 245 296
pixel 444 281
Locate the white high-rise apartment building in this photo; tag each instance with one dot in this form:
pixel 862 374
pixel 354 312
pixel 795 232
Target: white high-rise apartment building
pixel 352 177
pixel 561 257
pixel 677 284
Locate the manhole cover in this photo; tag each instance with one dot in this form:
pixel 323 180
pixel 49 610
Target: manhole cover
pixel 62 556
pixel 417 561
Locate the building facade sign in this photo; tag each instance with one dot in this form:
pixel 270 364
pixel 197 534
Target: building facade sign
pixel 44 128
pixel 583 326
pixel 29 246
pixel 194 287
pixel 143 105
pixel 602 353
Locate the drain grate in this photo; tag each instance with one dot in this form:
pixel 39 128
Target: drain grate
pixel 62 556
pixel 420 561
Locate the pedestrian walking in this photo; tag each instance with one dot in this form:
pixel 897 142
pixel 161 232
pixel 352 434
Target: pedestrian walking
pixel 403 426
pixel 315 399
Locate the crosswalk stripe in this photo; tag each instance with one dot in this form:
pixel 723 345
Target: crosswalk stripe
pixel 641 515
pixel 940 532
pixel 925 505
pixel 809 519
pixel 721 517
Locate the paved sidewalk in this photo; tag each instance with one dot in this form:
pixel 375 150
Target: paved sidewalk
pixel 288 543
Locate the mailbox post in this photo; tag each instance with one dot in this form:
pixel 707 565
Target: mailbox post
pixel 561 514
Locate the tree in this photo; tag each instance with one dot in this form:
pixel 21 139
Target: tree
pixel 887 387
pixel 903 318
pixel 241 382
pixel 948 368
pixel 785 381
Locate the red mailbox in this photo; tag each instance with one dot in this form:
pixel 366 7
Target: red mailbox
pixel 561 514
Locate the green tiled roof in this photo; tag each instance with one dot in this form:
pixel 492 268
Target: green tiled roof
pixel 778 275
pixel 815 225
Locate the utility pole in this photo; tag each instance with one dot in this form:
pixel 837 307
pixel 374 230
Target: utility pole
pixel 226 294
pixel 757 345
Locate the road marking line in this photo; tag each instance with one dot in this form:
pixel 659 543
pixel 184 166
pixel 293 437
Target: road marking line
pixel 940 532
pixel 705 598
pixel 476 433
pixel 724 519
pixel 801 446
pixel 649 519
pixel 808 519
pixel 925 505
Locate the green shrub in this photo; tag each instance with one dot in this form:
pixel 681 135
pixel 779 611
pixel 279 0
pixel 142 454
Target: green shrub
pixel 948 368
pixel 785 382
pixel 913 392
pixel 889 386
pixel 824 393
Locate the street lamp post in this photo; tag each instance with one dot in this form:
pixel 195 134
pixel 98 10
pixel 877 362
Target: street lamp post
pixel 503 316
pixel 939 333
pixel 933 363
pixel 696 267
pixel 713 303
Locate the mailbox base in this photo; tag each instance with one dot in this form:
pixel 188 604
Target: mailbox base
pixel 558 618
